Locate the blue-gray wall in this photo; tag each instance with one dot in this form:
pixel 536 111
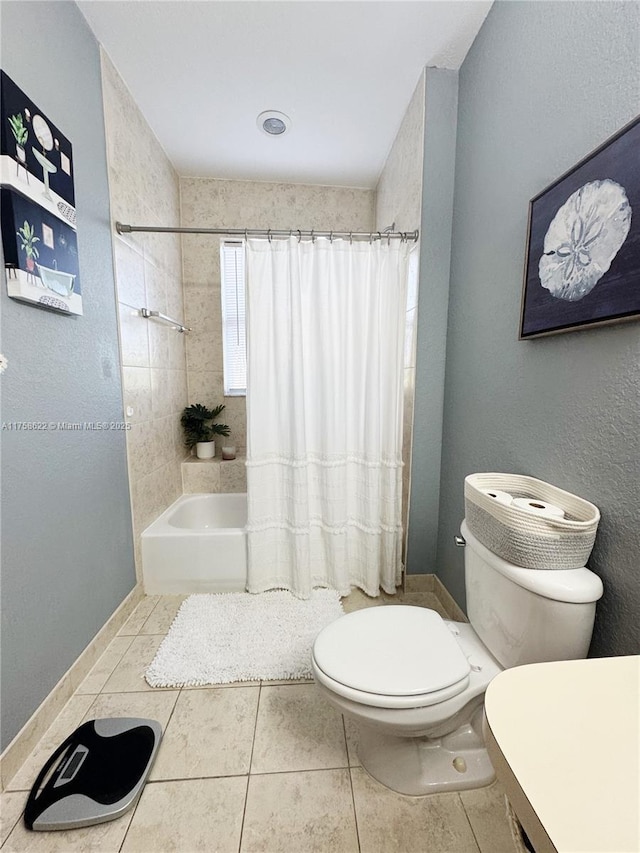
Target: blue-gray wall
pixel 441 101
pixel 543 84
pixel 67 552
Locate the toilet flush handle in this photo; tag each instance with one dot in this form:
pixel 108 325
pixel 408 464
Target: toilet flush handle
pixel 460 541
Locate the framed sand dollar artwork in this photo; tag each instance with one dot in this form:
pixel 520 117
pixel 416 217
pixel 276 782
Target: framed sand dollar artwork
pixel 582 263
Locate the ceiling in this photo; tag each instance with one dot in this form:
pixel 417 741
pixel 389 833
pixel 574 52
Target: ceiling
pixel 343 71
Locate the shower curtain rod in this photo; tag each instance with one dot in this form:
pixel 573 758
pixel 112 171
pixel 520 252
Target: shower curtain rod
pixel 121 228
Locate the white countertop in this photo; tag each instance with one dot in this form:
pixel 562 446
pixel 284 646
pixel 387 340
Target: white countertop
pixel 570 735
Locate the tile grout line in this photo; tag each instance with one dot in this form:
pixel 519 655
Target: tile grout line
pixel 173 618
pixel 135 808
pixel 253 744
pixel 108 676
pixel 153 610
pixel 477 843
pixel 238 775
pixel 144 622
pixel 9 834
pixel 353 796
pixel 124 837
pixel 195 778
pixel 244 811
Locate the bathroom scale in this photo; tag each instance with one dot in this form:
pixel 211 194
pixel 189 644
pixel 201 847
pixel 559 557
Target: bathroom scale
pixel 95 775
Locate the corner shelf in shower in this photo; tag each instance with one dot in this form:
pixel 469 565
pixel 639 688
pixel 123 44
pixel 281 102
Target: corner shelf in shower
pixel 216 476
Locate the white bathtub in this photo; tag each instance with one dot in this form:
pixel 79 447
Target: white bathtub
pixel 198 544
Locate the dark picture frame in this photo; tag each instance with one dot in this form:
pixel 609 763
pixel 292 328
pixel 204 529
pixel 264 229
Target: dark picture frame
pixel 582 259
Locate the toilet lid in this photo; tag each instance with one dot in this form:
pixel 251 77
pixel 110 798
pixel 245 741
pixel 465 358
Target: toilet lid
pixel 394 650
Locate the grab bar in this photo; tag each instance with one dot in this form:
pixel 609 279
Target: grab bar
pixel 148 313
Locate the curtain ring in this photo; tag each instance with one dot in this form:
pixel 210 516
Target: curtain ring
pixel 269 235
pixel 313 239
pixel 388 238
pixel 245 235
pixel 371 238
pixel 380 237
pixel 351 238
pixel 331 236
pixel 299 235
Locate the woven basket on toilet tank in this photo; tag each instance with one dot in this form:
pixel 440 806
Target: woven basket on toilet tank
pixel 523 538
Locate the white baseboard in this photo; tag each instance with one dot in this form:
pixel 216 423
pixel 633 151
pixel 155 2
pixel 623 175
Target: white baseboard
pixel 27 738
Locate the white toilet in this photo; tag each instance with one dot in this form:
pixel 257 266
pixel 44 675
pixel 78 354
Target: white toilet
pixel 415 683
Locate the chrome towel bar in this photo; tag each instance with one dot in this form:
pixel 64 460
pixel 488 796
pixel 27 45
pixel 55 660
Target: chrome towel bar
pixel 149 314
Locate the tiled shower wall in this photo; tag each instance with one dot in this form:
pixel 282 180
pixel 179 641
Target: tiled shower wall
pixel 399 200
pixel 144 190
pixel 162 370
pixel 211 203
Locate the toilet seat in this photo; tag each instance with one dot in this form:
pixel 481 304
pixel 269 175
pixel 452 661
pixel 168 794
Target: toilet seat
pixel 363 657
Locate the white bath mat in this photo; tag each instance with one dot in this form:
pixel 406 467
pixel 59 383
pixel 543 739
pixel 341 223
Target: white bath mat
pixel 217 639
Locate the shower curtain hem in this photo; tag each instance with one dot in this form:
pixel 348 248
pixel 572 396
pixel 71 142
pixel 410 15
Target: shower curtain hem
pixel 287 587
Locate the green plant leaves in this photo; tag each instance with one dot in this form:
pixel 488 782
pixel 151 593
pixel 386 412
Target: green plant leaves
pixel 197 423
pixel 28 236
pixel 18 129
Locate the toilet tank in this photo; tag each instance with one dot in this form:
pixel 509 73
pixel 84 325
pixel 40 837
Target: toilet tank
pixel 528 615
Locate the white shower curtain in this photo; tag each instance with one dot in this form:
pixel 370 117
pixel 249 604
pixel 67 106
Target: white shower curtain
pixel 325 338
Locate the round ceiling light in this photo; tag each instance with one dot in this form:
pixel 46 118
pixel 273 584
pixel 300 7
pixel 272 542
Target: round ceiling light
pixel 273 122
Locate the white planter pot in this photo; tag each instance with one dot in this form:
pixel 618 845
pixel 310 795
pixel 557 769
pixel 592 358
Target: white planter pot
pixel 206 449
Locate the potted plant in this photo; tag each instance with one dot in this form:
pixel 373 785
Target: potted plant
pixel 20 134
pixel 27 235
pixel 199 427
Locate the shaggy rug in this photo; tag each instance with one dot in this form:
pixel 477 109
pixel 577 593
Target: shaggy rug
pixel 216 639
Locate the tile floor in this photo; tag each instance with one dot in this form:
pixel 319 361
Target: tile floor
pixel 262 766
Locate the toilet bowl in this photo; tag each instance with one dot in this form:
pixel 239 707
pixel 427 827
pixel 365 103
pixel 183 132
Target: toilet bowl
pixel 419 717
pixel 414 683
